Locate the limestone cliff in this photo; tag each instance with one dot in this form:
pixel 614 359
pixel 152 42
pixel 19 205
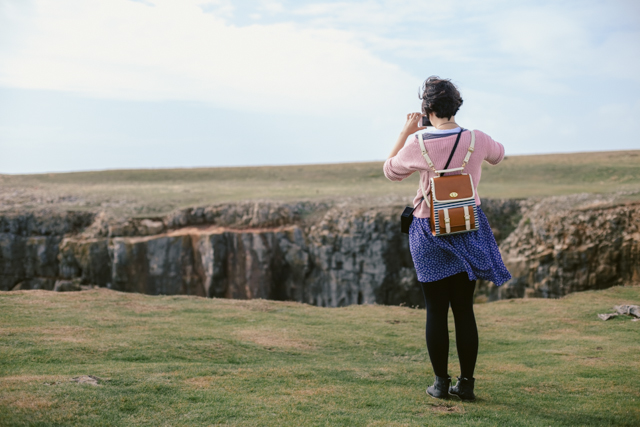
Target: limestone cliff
pixel 569 244
pixel 321 254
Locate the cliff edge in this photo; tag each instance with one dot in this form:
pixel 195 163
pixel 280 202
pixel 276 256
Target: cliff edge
pixel 313 252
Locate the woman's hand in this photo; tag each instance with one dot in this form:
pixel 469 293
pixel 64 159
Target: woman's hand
pixel 413 124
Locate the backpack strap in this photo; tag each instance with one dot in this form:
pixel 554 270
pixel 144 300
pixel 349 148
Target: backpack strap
pixel 445 170
pixel 429 162
pixel 424 195
pixel 471 147
pixel 425 154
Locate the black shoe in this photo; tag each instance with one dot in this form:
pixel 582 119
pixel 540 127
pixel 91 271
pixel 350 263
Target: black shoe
pixel 440 388
pixel 464 389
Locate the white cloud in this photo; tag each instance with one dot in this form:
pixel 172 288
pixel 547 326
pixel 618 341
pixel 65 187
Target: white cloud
pixel 533 46
pixel 175 50
pixel 526 69
pixel 559 41
pixel 220 8
pixel 187 49
pixel 272 6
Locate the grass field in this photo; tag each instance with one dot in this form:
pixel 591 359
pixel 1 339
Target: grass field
pixel 155 192
pixel 183 361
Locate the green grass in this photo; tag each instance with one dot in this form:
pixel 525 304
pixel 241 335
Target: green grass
pixel 179 361
pixel 158 191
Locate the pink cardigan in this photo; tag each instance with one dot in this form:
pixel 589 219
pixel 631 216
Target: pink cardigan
pixel 409 159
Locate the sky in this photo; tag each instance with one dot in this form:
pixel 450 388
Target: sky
pixel 114 84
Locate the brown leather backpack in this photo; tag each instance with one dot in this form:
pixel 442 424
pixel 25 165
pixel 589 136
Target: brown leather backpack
pixel 451 198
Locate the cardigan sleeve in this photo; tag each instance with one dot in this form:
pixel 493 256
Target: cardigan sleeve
pixel 494 151
pixel 403 164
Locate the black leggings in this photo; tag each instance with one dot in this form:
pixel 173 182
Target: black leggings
pixel 456 290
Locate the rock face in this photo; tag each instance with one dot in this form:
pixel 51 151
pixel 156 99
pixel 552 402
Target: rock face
pixel 360 257
pixel 311 252
pixel 570 244
pixel 29 245
pixel 214 262
pixel 349 257
pixel 88 259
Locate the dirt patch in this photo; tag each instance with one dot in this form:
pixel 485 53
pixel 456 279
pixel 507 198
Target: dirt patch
pixel 32 297
pixel 386 423
pixel 507 367
pixel 68 338
pixel 201 382
pixel 596 361
pixel 447 408
pixel 256 305
pixel 22 399
pixel 27 402
pixel 20 379
pixel 72 334
pixel 274 339
pixel 140 308
pixel 543 388
pixel 380 374
pixel 562 334
pixel 53 333
pixel 262 305
pixel 318 391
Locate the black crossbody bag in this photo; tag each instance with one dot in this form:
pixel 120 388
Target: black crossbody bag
pixel 407 215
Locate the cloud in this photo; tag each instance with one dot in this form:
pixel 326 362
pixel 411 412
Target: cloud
pixel 558 41
pixel 145 2
pixel 526 69
pixel 220 8
pixel 127 50
pixel 534 46
pixel 311 58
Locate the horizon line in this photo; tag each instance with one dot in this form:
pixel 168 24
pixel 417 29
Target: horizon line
pixel 284 164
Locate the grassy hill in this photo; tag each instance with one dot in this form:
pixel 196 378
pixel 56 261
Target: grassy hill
pixel 181 361
pixel 154 192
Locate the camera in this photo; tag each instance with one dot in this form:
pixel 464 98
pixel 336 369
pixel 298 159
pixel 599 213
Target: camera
pixel 425 121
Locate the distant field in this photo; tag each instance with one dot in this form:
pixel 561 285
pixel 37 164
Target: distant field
pixel 189 361
pixel 154 192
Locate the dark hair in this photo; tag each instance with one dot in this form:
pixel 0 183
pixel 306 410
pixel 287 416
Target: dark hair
pixel 440 96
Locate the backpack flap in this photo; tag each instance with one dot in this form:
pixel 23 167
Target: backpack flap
pixel 454 188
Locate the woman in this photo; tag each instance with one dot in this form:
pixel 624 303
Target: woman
pixel 448 266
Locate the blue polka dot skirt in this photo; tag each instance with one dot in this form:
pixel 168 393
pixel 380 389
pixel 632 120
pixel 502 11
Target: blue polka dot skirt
pixel 475 252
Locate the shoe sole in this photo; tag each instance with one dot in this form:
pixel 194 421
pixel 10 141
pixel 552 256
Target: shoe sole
pixel 464 400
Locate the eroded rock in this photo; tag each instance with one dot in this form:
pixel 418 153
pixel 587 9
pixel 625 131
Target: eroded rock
pixel 158 265
pixel 88 259
pixel 315 253
pixel 43 283
pixel 570 244
pixel 67 286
